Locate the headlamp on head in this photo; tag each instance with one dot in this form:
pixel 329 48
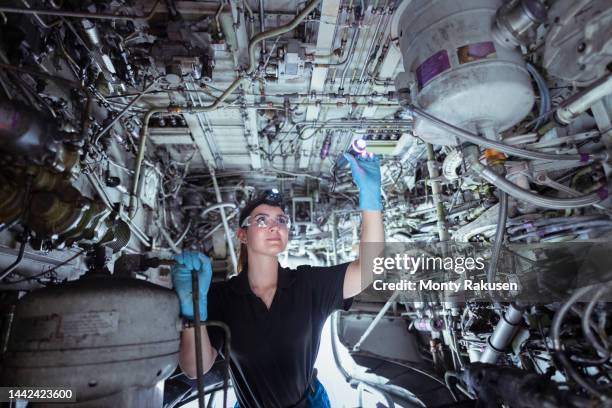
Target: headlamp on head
pixel 271 197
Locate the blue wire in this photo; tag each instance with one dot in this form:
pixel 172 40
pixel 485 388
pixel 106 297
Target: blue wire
pixel 545 99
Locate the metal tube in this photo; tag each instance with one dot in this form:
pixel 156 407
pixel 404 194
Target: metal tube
pixel 502 147
pixel 586 328
pixel 499 235
pixel 262 26
pixel 230 243
pixel 40 21
pixel 95 182
pixel 20 254
pixel 216 227
pixel 76 14
pixel 557 346
pixel 503 334
pixel 276 32
pixel 541 201
pixel 195 290
pixel 334 234
pixel 354 40
pixel 168 239
pixel 124 111
pixel 252 58
pixel 140 158
pixel 436 191
pixel 375 38
pixel 213 207
pixel 377 319
pixel 583 100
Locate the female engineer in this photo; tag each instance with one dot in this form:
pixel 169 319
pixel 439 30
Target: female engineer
pixel 275 314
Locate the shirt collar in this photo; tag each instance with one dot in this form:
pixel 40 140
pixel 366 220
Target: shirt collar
pixel 240 282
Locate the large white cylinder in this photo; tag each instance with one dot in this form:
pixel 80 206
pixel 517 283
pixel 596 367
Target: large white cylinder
pixel 456 71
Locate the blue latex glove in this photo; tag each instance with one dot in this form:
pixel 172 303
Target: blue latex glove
pixel 366 174
pixel 186 261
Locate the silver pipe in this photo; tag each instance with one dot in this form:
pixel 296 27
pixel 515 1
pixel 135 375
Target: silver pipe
pixel 436 192
pixel 541 201
pixel 262 25
pixel 142 143
pixel 309 8
pixel 206 126
pixel 558 347
pixel 500 233
pixel 138 233
pixel 502 147
pixel 216 227
pixel 183 235
pixel 169 240
pixel 367 55
pixel 216 207
pixel 354 42
pixel 334 234
pixel 377 319
pixel 124 111
pixel 230 242
pixel 503 334
pixel 583 100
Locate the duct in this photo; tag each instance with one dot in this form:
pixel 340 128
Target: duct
pixel 584 99
pixel 325 41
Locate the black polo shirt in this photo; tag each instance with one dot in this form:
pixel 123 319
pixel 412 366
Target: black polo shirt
pixel 273 351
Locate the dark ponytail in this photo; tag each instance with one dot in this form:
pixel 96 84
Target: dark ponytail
pixel 243 258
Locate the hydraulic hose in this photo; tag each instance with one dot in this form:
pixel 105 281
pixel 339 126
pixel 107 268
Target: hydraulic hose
pixel 538 200
pixel 502 147
pixel 499 237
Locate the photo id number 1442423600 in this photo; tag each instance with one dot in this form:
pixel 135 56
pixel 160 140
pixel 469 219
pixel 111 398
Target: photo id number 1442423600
pixel 37 394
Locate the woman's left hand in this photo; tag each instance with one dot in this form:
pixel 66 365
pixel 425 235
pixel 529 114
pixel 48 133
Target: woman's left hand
pixel 366 174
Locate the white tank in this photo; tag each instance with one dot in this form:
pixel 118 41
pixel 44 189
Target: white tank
pixel 456 71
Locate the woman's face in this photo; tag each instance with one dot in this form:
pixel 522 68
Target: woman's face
pixel 270 240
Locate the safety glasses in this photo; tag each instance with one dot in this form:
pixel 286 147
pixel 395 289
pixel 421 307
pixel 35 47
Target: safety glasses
pixel 265 221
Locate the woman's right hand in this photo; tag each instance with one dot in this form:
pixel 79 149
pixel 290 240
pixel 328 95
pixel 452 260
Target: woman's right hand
pixel 187 261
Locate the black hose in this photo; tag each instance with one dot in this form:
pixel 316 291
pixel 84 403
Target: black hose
pixel 198 336
pixel 226 351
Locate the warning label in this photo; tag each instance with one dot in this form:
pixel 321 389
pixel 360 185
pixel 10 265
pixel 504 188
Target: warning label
pixel 432 67
pixel 89 323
